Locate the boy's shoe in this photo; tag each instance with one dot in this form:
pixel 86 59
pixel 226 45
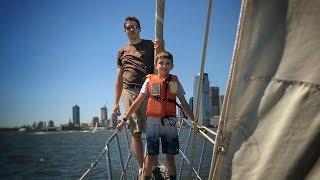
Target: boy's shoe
pixel 157 174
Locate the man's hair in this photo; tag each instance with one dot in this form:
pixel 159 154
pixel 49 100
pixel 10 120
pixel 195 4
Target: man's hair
pixel 131 18
pixel 166 55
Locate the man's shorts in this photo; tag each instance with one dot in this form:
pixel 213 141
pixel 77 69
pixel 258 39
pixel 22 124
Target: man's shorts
pixel 167 132
pixel 137 122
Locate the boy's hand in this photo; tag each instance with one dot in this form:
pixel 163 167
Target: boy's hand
pixel 121 124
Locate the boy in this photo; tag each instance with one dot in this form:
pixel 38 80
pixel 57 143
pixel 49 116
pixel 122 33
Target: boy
pixel 162 90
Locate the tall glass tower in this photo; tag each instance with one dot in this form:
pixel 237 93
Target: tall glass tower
pixel 214 101
pixel 204 101
pixel 191 103
pixel 76 115
pixel 104 116
pixel 114 120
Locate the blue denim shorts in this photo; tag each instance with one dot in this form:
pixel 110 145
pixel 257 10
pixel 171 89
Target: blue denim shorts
pixel 167 133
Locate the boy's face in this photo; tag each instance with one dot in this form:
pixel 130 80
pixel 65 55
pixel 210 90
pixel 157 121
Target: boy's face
pixel 164 66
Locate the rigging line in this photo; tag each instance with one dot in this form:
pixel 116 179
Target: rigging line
pixel 204 51
pixel 224 112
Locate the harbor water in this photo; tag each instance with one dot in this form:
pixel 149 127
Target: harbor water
pixel 67 155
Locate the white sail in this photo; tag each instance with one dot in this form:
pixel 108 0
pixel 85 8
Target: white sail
pixel 95 128
pixel 270 121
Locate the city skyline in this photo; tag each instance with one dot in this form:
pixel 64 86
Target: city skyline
pixel 105 120
pixel 60 53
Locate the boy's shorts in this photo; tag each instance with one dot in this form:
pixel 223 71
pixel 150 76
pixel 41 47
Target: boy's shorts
pixel 167 132
pixel 137 122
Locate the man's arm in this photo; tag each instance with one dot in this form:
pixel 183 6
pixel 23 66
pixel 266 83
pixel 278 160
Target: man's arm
pixel 118 90
pixel 158 45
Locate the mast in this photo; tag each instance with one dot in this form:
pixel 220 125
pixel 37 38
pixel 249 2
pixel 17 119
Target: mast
pixel 159 20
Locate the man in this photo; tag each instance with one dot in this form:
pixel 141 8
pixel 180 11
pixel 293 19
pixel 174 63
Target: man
pixel 135 60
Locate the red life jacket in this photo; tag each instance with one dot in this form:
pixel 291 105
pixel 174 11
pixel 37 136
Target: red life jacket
pixel 162 96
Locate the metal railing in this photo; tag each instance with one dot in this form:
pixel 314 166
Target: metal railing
pixel 203 131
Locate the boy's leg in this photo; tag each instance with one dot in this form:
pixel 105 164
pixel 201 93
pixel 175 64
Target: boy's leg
pixel 152 136
pixel 148 165
pixel 156 169
pixel 170 145
pixel 171 163
pixel 138 148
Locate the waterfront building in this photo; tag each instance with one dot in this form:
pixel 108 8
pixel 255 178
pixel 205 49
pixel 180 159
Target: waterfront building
pixel 76 115
pixel 84 126
pixel 204 100
pixel 40 125
pixel 104 116
pixel 191 103
pixel 214 101
pixel 108 121
pixel 50 123
pixel 113 121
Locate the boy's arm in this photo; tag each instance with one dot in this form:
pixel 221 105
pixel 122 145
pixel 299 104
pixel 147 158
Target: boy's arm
pixel 134 106
pixel 185 106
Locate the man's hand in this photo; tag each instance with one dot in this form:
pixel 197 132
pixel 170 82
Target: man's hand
pixel 116 110
pixel 159 45
pixel 121 124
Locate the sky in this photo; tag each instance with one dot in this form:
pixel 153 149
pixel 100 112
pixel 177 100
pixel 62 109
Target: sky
pixel 55 54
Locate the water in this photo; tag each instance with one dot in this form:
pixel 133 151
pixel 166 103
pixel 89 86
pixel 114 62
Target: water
pixel 67 155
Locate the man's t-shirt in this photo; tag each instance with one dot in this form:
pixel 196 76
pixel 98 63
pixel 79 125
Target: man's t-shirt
pixel 137 61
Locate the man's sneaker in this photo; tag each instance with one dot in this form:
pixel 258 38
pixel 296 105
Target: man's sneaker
pixel 140 174
pixel 157 174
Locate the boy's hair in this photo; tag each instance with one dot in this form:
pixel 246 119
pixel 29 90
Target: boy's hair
pixel 164 54
pixel 131 18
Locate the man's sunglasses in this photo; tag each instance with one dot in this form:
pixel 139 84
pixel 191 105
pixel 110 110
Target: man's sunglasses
pixel 131 27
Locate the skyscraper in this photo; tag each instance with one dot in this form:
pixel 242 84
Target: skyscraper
pixel 204 101
pixel 76 115
pixel 191 103
pixel 214 101
pixel 104 116
pixel 113 121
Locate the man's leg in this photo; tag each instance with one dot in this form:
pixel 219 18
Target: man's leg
pixel 136 123
pixel 138 148
pixel 148 165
